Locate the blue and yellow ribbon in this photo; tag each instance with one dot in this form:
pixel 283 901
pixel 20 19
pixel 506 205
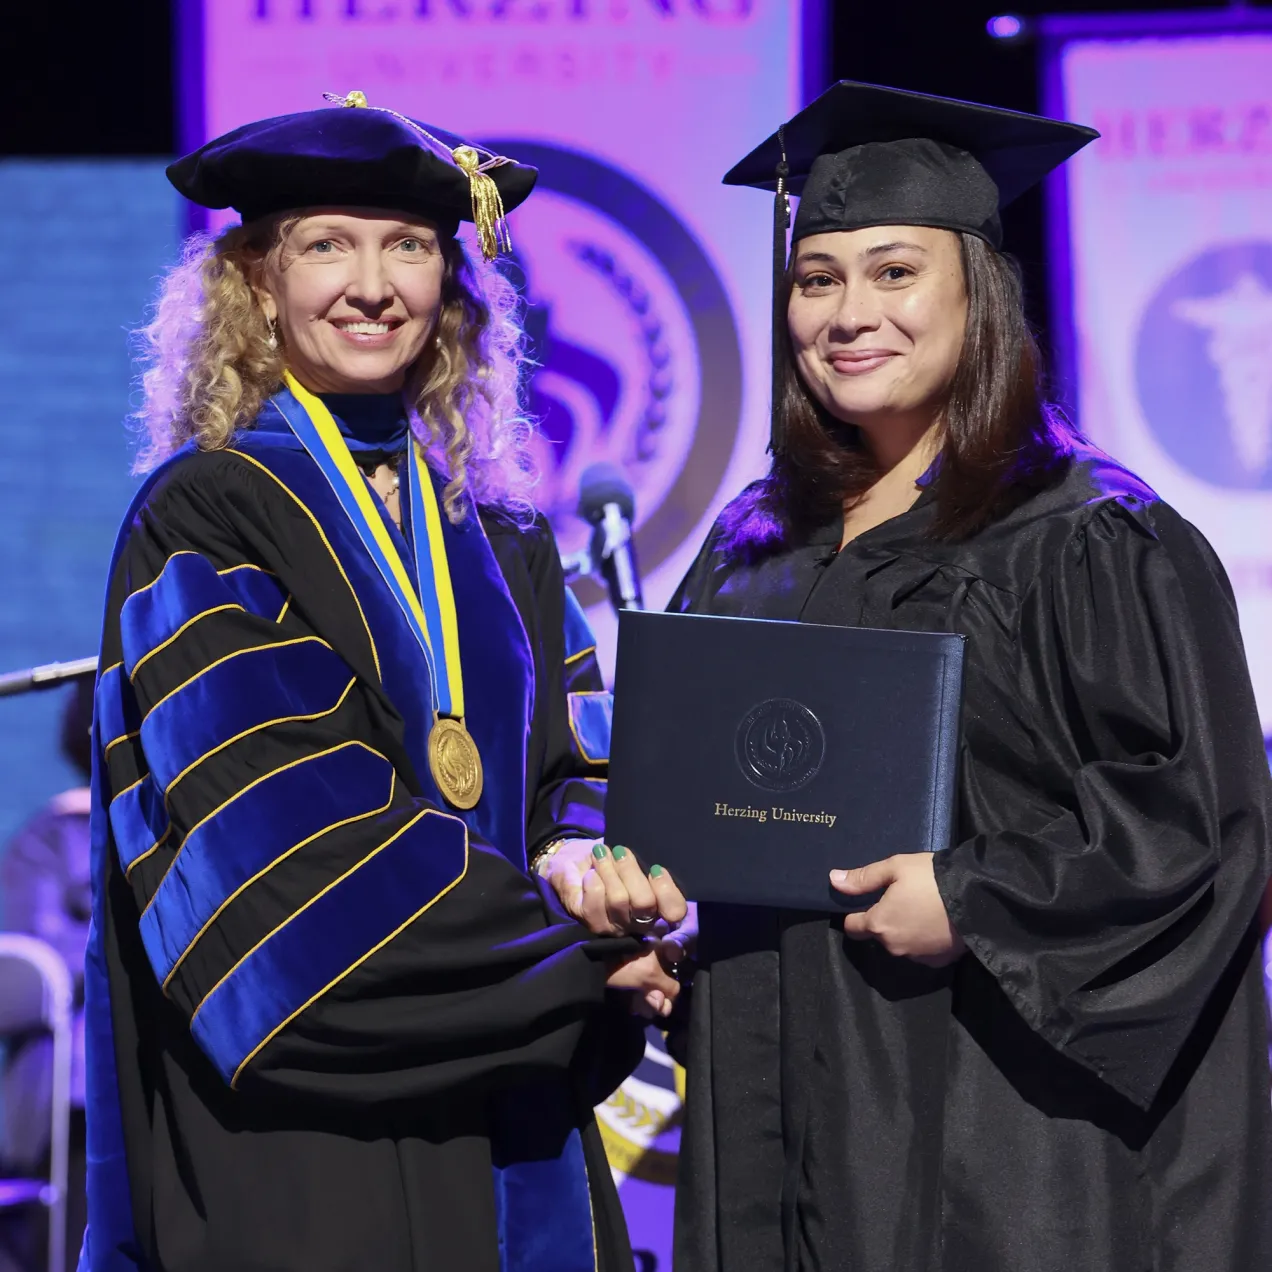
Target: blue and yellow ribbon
pixel 436 592
pixel 431 613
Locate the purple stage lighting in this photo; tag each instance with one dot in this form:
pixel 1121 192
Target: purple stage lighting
pixel 1006 26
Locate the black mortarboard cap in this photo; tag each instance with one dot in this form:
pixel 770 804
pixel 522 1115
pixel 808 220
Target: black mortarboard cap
pixel 366 156
pixel 863 155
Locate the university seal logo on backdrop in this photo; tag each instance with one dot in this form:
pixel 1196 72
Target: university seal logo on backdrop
pixel 637 350
pixel 640 1122
pixel 1203 366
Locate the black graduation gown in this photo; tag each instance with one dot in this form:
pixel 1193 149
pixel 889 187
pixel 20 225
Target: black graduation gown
pixel 1086 1090
pixel 372 1049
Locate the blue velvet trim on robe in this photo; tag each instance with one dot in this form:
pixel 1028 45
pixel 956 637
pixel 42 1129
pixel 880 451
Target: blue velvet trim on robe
pixel 499 699
pixel 494 648
pixel 303 428
pixel 591 722
pixel 328 937
pixel 542 1202
pixel 115 707
pixel 255 830
pixel 299 680
pixel 110 1240
pixel 401 669
pixel 138 820
pixel 187 588
pixel 257 590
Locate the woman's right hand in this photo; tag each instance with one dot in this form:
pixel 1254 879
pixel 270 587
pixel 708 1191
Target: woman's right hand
pixel 648 978
pixel 610 894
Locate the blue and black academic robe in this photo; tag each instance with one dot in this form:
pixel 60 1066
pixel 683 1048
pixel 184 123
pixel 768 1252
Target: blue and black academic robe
pixel 334 1024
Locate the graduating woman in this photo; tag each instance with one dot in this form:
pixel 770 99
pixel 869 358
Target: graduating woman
pixel 1044 1049
pixel 333 1024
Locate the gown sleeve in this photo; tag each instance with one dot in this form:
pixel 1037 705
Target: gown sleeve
pixel 569 800
pixel 1110 925
pixel 321 927
pixel 700 581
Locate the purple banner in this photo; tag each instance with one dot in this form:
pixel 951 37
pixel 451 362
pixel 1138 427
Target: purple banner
pixel 1162 259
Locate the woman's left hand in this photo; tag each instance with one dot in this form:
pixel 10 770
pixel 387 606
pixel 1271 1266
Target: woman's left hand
pixel 609 892
pixel 909 920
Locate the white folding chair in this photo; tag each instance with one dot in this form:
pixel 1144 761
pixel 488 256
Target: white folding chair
pixel 36 997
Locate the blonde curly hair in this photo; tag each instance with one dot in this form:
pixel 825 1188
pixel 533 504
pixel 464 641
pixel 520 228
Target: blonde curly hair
pixel 209 368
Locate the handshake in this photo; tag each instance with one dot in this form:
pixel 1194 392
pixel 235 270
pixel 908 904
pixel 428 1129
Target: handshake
pixel 607 891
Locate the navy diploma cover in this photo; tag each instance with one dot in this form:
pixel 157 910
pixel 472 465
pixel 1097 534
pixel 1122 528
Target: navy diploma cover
pixel 751 757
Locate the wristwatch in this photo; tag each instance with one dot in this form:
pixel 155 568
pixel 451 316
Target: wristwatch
pixel 546 853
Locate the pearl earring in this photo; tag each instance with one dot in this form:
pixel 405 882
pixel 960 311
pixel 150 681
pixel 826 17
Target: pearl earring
pixel 273 334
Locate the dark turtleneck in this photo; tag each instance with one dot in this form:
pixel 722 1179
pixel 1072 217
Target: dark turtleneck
pixel 370 422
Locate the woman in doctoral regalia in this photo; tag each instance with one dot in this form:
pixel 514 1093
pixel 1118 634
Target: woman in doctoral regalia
pixel 1043 1049
pixel 333 1024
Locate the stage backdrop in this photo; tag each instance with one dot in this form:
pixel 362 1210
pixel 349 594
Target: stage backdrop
pixel 1162 260
pixel 81 243
pixel 647 282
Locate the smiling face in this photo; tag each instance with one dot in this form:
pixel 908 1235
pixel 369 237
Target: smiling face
pixel 876 319
pixel 355 295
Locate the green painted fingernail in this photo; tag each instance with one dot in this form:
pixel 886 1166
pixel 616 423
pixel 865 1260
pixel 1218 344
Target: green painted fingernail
pixel 656 872
pixel 598 851
pixel 619 853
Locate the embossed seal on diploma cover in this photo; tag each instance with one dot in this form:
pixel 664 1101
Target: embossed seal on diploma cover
pixel 780 745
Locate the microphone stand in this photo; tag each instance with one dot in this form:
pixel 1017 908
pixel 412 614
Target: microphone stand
pixel 48 676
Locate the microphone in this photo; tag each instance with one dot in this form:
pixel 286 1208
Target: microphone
pixel 606 501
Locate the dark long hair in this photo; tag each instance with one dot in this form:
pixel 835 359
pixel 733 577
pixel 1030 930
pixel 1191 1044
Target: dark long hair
pixel 1001 439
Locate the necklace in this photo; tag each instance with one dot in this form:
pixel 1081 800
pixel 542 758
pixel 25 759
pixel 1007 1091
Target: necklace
pixel 382 476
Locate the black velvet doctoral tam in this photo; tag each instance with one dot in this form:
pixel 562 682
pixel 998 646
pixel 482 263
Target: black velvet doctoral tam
pixel 361 157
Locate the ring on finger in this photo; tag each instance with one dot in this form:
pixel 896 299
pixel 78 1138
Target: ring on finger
pixel 644 919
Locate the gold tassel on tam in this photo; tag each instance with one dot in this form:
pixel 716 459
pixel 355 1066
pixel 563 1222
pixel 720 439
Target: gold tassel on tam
pixel 488 208
pixel 356 98
pixel 487 202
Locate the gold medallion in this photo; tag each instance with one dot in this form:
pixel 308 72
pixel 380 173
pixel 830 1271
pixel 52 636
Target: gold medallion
pixel 455 763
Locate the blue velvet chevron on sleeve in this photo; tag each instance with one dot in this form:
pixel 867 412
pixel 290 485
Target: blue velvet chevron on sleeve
pixel 270 850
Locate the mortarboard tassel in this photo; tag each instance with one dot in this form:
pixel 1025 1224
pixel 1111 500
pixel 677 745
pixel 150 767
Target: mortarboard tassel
pixel 781 223
pixel 488 208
